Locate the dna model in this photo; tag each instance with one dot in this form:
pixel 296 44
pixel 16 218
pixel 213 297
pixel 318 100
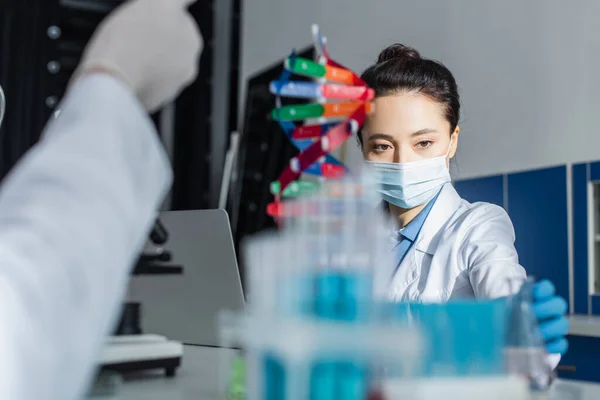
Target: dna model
pixel 341 102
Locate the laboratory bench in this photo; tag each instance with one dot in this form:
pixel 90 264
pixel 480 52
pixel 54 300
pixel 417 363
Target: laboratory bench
pixel 198 379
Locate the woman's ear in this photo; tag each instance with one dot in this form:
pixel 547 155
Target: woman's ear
pixel 454 145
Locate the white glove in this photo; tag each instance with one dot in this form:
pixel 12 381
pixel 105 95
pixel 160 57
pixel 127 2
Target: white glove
pixel 152 45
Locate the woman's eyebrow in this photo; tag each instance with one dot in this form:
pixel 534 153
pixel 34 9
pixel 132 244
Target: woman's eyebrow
pixel 381 136
pixel 423 132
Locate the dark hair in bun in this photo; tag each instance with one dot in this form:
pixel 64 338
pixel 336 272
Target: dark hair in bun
pixel 400 69
pixel 398 52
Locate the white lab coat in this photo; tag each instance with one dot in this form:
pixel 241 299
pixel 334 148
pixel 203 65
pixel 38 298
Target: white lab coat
pixel 74 214
pixel 463 250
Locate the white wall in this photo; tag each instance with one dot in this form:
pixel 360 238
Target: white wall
pixel 528 70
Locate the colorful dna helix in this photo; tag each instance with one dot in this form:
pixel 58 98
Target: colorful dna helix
pixel 341 103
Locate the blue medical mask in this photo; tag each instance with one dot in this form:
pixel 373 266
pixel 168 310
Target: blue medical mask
pixel 411 184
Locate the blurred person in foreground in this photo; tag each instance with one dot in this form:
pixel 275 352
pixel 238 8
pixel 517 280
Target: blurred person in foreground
pixel 76 210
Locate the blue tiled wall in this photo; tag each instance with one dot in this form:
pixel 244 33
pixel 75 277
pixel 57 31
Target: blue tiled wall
pixel 489 189
pixel 537 205
pixel 580 177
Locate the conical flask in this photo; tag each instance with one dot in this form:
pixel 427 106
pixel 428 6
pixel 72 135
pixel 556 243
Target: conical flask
pixel 526 353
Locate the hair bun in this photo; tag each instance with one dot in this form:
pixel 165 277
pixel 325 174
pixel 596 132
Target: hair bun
pixel 398 52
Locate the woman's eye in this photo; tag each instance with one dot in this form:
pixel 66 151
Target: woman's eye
pixel 424 144
pixel 381 147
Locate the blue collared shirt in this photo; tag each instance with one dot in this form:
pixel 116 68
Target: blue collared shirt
pixel 406 236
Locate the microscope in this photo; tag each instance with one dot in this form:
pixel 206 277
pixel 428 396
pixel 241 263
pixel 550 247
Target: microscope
pixel 130 349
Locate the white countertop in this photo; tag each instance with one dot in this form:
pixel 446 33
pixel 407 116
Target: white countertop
pixel 584 325
pixel 198 379
pixel 574 390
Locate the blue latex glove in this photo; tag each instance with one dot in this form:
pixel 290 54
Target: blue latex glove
pixel 550 311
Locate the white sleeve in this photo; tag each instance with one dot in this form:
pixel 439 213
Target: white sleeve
pixel 489 253
pixel 74 214
pixel 494 269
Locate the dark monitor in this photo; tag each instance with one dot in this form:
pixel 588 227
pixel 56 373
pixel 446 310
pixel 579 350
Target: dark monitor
pixel 264 152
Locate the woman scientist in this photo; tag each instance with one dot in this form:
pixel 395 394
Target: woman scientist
pixel 446 248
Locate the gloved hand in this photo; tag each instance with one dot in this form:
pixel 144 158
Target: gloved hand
pixel 550 311
pixel 152 45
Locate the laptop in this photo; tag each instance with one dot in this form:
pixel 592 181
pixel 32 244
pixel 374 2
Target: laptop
pixel 186 307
